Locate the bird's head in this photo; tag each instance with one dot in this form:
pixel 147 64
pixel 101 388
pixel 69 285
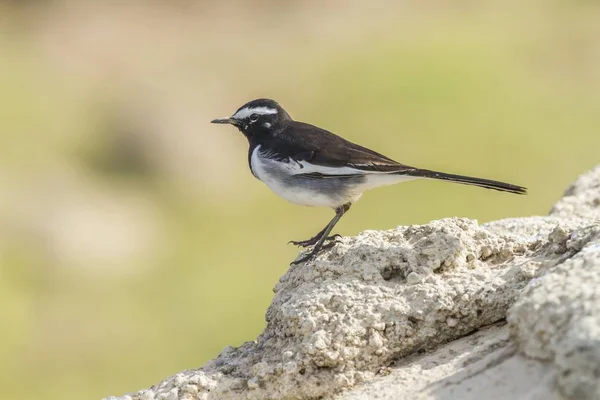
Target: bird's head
pixel 257 117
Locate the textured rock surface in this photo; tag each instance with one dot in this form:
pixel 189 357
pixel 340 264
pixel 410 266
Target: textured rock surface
pixel 558 319
pixel 483 365
pixel 364 309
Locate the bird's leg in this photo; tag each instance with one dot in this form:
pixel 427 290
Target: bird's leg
pixel 339 212
pixel 313 240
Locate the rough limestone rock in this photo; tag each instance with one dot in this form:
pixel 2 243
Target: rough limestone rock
pixel 367 318
pixel 558 319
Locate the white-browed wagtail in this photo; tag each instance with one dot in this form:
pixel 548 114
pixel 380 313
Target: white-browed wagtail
pixel 311 166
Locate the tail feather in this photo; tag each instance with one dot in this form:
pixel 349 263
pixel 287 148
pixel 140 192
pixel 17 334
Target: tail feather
pixel 467 180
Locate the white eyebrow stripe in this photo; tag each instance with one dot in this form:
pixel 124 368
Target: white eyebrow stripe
pixel 247 111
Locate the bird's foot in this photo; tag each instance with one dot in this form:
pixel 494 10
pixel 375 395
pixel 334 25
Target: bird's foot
pixel 313 254
pixel 313 241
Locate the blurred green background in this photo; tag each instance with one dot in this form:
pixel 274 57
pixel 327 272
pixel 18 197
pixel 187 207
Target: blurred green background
pixel 135 243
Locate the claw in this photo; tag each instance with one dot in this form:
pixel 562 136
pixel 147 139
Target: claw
pixel 312 241
pixel 302 243
pixel 313 254
pixel 308 257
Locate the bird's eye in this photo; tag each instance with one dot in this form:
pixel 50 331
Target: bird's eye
pixel 254 117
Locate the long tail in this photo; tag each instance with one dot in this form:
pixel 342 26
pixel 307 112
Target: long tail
pixel 467 180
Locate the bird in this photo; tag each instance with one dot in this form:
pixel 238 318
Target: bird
pixel 311 166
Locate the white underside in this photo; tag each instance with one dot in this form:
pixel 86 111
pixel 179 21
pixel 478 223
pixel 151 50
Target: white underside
pixel 271 173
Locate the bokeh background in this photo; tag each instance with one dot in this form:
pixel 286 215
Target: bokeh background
pixel 135 243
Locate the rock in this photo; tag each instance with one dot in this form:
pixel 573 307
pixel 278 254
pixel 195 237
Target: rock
pixel 482 365
pixel 370 315
pixel 582 198
pixel 557 319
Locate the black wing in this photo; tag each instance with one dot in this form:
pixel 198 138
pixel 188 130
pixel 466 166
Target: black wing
pixel 305 142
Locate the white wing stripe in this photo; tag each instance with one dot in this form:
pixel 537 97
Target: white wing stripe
pixel 312 168
pixel 294 167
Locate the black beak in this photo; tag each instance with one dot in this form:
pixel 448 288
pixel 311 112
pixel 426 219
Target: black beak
pixel 224 121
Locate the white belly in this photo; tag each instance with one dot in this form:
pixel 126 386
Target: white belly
pixel 272 173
